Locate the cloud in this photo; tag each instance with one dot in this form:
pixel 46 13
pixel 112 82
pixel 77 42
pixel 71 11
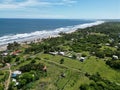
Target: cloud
pixel 70 1
pixel 13 4
pixel 8 4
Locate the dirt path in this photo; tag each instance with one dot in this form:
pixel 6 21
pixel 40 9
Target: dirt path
pixel 8 81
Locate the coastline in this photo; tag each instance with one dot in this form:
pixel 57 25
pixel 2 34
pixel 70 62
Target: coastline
pixel 54 34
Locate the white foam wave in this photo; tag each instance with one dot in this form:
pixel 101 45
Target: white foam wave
pixel 44 34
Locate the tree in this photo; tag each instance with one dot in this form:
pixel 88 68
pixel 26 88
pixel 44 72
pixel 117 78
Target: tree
pixel 84 87
pixel 62 61
pixel 33 61
pixel 13 46
pixel 8 59
pixel 17 59
pixel 74 56
pixel 1 86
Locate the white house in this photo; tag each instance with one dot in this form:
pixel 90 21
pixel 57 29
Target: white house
pixel 16 83
pixel 62 53
pixel 17 72
pixel 107 44
pixel 4 54
pixel 53 53
pixel 115 57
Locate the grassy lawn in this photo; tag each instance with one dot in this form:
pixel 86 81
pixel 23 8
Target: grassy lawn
pixel 54 81
pixel 91 65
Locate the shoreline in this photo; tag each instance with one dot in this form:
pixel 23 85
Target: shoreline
pixel 56 34
pixel 28 41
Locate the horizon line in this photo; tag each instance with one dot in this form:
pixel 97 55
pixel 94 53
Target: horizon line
pixel 65 18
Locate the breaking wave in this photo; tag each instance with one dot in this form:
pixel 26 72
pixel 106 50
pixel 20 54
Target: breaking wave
pixel 44 33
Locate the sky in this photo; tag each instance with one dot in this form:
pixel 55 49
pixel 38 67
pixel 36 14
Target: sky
pixel 60 9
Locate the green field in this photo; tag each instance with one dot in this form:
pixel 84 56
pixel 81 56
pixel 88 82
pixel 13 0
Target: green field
pixel 74 71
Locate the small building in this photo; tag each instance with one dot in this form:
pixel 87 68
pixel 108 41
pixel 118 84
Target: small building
pixel 16 52
pixel 115 57
pixel 16 83
pixel 82 59
pixel 4 54
pixel 53 53
pixel 70 56
pixel 13 80
pixel 107 44
pixel 116 46
pixel 16 73
pixel 61 53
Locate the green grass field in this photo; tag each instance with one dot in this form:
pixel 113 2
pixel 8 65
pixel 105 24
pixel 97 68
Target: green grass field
pixel 74 71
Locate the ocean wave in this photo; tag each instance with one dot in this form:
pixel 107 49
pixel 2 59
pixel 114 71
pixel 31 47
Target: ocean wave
pixel 44 34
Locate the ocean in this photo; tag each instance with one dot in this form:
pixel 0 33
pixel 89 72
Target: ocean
pixel 24 29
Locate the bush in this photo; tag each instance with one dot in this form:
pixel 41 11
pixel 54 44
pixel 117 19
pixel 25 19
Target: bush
pixel 84 55
pixel 74 56
pixel 17 59
pixel 33 61
pixel 84 87
pixel 114 64
pixel 62 61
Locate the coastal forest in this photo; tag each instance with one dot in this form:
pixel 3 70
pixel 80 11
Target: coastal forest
pixel 87 59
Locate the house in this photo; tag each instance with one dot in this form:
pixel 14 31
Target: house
pixel 16 83
pixel 61 53
pixel 13 80
pixel 16 52
pixel 4 54
pixel 53 53
pixel 82 59
pixel 70 56
pixel 15 73
pixel 115 57
pixel 107 44
pixel 116 46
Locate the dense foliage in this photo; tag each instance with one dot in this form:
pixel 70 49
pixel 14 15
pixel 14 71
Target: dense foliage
pixel 32 66
pixel 114 64
pixel 13 46
pixel 99 83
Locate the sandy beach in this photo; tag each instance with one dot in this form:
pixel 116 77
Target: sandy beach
pixel 3 48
